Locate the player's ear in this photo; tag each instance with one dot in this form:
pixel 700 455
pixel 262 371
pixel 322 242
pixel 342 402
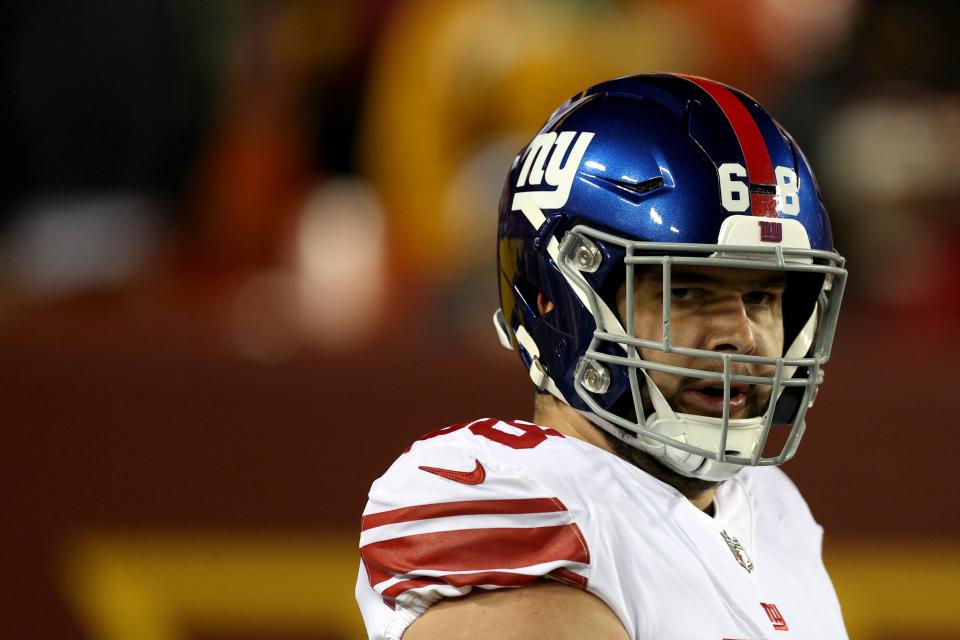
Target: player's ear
pixel 544 304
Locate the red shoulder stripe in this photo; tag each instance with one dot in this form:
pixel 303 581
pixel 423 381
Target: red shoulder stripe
pixel 474 550
pixel 755 153
pixel 461 508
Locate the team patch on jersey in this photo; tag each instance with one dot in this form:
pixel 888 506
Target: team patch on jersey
pixel 776 618
pixel 738 551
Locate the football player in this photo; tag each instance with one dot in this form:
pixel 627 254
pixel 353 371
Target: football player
pixel 668 279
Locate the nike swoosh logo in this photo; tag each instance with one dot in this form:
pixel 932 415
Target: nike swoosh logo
pixel 466 477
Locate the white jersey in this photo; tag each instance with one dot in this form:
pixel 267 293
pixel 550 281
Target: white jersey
pixel 493 504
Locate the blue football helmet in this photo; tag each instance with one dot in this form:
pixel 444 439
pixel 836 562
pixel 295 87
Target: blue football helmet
pixel 654 172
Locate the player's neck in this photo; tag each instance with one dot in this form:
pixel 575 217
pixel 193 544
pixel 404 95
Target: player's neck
pixel 550 412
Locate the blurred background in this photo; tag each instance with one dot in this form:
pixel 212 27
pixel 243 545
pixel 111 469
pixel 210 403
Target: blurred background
pixel 246 256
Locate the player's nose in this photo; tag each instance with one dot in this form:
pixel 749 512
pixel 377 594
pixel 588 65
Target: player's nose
pixel 730 329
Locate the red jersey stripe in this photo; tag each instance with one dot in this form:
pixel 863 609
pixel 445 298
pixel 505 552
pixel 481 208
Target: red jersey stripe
pixel 755 153
pixel 497 578
pixel 474 550
pixel 405 585
pixel 461 508
pixel 569 577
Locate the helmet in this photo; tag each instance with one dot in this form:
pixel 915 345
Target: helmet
pixel 662 172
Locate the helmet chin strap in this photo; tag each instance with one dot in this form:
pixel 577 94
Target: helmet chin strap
pixel 699 431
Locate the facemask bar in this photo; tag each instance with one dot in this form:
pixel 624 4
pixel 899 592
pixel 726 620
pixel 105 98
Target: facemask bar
pixel 774 258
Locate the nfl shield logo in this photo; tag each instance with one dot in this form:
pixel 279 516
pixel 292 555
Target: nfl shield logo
pixel 738 552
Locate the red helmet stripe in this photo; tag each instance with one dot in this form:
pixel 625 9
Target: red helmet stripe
pixel 755 154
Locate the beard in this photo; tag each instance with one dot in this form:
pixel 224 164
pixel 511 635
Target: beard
pixel 689 487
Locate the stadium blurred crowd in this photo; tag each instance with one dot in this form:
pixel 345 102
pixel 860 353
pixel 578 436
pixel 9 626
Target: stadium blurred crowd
pixel 247 251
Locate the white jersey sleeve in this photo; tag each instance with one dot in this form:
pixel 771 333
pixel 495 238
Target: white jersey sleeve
pixel 451 515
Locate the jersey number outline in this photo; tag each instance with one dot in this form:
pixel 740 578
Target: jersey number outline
pixel 529 437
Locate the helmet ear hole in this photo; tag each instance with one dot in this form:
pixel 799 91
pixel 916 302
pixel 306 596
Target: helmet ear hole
pixel 527 293
pixel 544 304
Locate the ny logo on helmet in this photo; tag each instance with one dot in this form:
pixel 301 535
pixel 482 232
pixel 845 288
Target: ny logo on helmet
pixel 544 162
pixel 770 231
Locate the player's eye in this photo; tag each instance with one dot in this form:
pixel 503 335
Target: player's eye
pixel 687 294
pixel 761 298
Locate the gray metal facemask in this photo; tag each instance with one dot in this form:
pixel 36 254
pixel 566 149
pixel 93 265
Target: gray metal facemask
pixel 711 448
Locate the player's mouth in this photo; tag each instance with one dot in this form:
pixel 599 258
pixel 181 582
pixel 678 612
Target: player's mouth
pixel 706 399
